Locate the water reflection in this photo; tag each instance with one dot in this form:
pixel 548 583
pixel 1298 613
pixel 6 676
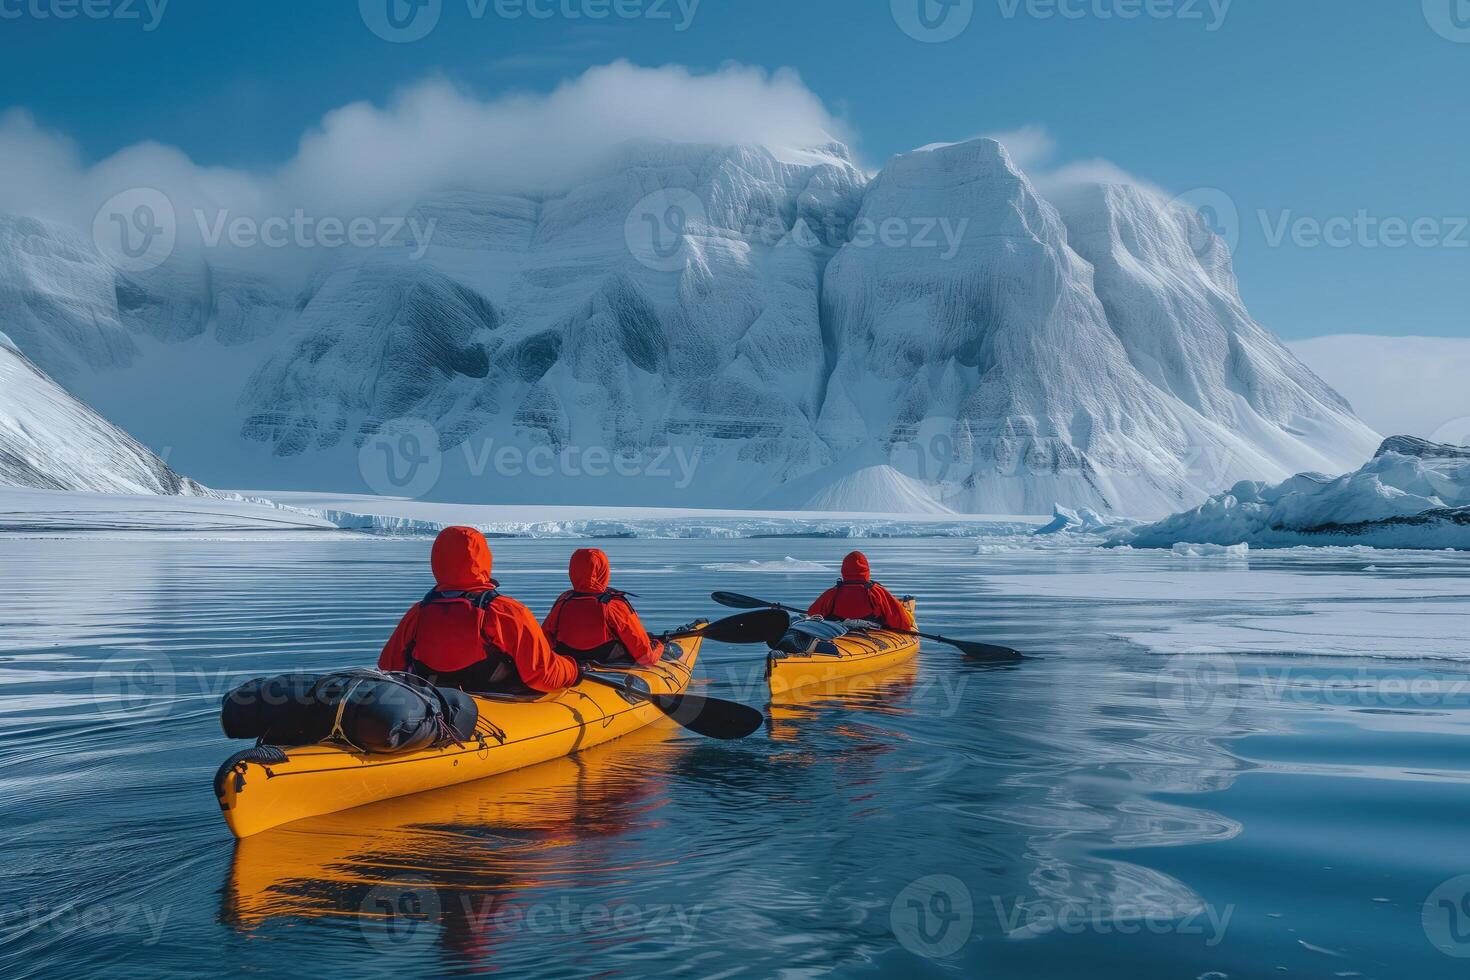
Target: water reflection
pixel 456 864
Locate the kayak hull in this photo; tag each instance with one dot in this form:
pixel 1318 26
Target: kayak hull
pixel 512 733
pixel 857 653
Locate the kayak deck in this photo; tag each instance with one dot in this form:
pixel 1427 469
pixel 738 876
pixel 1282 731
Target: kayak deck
pixel 859 652
pixel 283 785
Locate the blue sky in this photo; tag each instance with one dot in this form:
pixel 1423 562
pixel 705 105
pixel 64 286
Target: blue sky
pixel 1303 112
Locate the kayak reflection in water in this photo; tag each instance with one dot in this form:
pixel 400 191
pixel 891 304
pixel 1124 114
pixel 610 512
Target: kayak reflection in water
pixel 593 623
pixel 857 596
pixel 465 634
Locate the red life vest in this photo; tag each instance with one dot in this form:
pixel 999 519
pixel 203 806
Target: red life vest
pixel 581 623
pixel 854 600
pixel 449 635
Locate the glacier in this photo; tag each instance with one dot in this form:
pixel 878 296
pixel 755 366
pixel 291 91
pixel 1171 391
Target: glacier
pixel 938 337
pixel 1413 494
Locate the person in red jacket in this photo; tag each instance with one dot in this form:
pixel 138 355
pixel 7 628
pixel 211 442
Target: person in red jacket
pixel 595 623
pixel 465 634
pixel 857 596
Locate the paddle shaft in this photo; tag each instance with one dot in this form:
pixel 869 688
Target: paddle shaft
pixel 972 647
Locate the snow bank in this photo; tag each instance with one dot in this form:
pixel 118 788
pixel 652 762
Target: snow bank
pixel 1228 551
pixel 68 511
pixel 1413 494
pixel 1081 521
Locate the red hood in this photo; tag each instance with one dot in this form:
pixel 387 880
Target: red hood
pixel 855 568
pixel 589 570
pixel 461 560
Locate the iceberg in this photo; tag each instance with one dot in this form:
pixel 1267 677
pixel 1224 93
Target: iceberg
pixel 1413 494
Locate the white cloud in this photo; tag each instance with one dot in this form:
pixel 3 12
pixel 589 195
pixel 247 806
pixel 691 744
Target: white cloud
pixel 1031 147
pixel 362 158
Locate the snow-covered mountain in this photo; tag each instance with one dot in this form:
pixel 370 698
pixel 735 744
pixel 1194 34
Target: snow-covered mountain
pixel 51 441
pixel 713 326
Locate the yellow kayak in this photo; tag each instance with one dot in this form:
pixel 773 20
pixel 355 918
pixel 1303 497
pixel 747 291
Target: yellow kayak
pixel 265 788
pixel 454 837
pixel 859 652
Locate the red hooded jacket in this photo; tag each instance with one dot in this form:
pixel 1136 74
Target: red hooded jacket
pixel 461 561
pixel 591 617
pixel 857 596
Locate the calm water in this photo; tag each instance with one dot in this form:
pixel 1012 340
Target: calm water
pixel 1103 810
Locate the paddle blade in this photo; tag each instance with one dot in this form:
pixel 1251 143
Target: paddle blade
pixel 712 717
pixel 988 652
pixel 737 601
pixel 759 626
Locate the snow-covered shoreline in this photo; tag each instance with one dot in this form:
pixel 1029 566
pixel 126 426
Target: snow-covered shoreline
pixel 57 512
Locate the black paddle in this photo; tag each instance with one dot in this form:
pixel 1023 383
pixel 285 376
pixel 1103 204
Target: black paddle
pixel 713 717
pixel 760 626
pixel 970 648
